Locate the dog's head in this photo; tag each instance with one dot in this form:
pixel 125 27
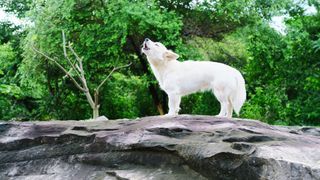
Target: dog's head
pixel 157 52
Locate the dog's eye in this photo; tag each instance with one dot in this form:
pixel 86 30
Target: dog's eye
pixel 156 44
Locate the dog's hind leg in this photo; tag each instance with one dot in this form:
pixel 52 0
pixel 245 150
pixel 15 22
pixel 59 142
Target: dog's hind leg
pixel 219 93
pixel 229 109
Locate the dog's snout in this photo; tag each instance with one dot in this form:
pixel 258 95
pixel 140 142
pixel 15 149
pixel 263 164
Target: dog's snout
pixel 147 39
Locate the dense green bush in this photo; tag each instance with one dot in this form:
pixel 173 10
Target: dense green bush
pixel 279 72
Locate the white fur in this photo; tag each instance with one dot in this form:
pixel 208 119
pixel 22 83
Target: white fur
pixel 178 79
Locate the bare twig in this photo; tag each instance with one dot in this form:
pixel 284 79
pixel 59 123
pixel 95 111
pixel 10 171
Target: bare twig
pixel 74 53
pixel 62 68
pixel 114 69
pixel 80 66
pixel 73 65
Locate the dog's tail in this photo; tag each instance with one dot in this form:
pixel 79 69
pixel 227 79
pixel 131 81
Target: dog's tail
pixel 240 94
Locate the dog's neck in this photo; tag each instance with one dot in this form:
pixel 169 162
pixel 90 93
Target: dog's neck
pixel 159 68
pixel 157 63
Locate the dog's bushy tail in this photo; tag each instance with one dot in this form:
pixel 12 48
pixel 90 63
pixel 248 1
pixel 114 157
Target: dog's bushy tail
pixel 240 95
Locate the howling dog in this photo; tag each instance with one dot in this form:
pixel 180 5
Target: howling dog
pixel 178 79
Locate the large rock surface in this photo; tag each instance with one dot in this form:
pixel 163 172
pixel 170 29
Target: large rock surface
pixel 182 147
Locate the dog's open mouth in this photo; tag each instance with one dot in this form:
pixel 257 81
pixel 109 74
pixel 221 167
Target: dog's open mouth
pixel 145 47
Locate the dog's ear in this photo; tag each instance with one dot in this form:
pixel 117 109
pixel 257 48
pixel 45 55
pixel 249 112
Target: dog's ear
pixel 170 55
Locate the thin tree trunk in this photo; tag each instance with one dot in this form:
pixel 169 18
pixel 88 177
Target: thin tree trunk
pixel 96 104
pixel 95 112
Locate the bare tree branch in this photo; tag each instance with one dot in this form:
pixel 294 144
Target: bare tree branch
pixel 62 68
pixel 80 66
pixel 114 69
pixel 70 70
pixel 75 54
pixel 66 54
pixel 90 100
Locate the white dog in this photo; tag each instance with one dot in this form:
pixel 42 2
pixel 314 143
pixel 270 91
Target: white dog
pixel 178 79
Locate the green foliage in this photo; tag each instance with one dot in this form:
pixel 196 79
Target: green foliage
pixel 266 104
pixel 316 44
pixel 200 103
pixel 11 94
pixel 230 50
pixel 127 97
pixel 105 35
pixel 214 19
pixel 19 7
pixel 7 30
pixel 282 72
pixel 7 57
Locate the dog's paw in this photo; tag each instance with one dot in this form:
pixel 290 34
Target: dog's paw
pixel 170 115
pixel 219 116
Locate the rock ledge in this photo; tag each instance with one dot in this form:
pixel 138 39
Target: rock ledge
pixel 181 147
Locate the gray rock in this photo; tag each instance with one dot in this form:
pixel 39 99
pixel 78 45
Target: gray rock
pixel 101 118
pixel 182 147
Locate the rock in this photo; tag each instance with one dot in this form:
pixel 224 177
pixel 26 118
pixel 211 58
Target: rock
pixel 182 147
pixel 101 118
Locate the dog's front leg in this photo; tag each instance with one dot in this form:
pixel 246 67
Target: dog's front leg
pixel 174 104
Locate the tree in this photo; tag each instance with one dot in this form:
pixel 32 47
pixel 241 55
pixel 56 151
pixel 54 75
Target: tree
pixel 77 67
pixel 215 19
pixel 110 33
pixel 283 73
